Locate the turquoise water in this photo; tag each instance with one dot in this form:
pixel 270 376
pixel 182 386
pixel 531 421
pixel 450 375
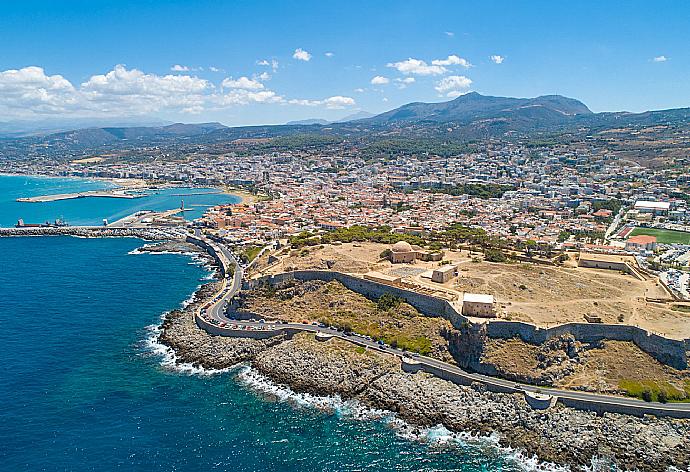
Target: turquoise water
pixel 92 210
pixel 83 388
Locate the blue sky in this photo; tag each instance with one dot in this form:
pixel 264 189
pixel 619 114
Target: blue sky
pixel 251 62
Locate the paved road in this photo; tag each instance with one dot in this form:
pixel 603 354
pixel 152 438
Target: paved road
pixel 217 312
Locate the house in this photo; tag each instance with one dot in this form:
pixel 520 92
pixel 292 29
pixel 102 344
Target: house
pixel 656 208
pixel 402 252
pixel 640 243
pixel 478 304
pixel 444 274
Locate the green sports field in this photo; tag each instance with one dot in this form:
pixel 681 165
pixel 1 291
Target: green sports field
pixel 664 236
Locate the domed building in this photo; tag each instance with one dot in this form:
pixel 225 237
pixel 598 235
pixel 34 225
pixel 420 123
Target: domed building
pixel 402 252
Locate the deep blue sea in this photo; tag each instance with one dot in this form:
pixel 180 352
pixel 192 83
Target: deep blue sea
pixel 84 388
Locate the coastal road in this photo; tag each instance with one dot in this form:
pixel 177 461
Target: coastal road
pixel 217 312
pixel 470 377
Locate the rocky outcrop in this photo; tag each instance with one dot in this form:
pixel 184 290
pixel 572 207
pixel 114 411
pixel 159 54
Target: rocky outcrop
pixel 195 346
pixel 560 435
pixel 512 359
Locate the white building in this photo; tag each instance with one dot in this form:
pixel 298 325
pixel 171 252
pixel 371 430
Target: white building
pixel 478 304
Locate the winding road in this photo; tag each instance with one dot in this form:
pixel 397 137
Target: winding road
pixel 577 399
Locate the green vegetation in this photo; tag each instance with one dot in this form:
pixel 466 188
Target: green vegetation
pixel 356 233
pixel 248 253
pixel 651 391
pixel 394 338
pixel 613 204
pixel 663 236
pixel 388 301
pixel 381 234
pixel 388 148
pixel 475 190
pixel 563 236
pixel 495 255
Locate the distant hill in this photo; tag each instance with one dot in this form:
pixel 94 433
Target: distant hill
pixel 360 115
pixel 473 107
pixel 310 121
pixel 101 136
pixel 21 128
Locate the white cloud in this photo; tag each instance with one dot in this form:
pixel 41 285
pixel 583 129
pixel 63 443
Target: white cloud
pixel 244 96
pixel 452 60
pixel 214 69
pixel 335 103
pixel 450 34
pixel 404 82
pixel 453 85
pixel 273 64
pixel 417 67
pixel 242 83
pixel 329 54
pixel 132 91
pixel 30 93
pixel 380 80
pixel 496 59
pixel 264 76
pixel 339 101
pixel 179 68
pixel 359 90
pixel 661 58
pixel 301 55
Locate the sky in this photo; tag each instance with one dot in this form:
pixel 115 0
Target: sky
pixel 268 62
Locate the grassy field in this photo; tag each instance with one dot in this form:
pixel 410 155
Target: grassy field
pixel 650 390
pixel 663 236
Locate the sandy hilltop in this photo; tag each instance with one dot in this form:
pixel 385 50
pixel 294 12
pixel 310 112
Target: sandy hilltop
pixel 559 435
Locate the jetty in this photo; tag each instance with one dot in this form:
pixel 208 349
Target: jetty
pixel 116 193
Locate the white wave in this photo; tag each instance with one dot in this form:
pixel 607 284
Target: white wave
pixel 353 410
pixel 168 358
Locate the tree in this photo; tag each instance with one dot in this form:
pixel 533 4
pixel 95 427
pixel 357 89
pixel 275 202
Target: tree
pixel 495 255
pixel 386 254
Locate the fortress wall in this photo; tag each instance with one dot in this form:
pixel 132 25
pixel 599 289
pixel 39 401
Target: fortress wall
pixel 668 351
pixel 211 250
pixel 235 333
pixel 425 304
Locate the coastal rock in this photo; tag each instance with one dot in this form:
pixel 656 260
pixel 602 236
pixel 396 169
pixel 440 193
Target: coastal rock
pixel 195 346
pixel 560 435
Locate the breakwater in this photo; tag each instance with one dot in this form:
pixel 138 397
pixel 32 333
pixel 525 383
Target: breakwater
pixel 93 232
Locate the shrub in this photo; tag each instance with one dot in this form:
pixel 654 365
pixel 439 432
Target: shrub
pixel 388 301
pixel 495 255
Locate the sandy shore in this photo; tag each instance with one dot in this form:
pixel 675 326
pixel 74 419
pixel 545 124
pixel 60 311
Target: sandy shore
pixel 247 198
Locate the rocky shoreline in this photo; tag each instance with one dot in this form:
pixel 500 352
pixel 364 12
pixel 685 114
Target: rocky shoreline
pixel 559 435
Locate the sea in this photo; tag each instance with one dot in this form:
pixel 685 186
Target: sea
pixel 84 386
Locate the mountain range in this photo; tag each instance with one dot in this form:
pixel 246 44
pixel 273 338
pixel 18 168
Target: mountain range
pixel 467 117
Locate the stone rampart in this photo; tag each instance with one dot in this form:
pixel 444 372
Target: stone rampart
pixel 425 304
pixel 668 351
pixel 672 352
